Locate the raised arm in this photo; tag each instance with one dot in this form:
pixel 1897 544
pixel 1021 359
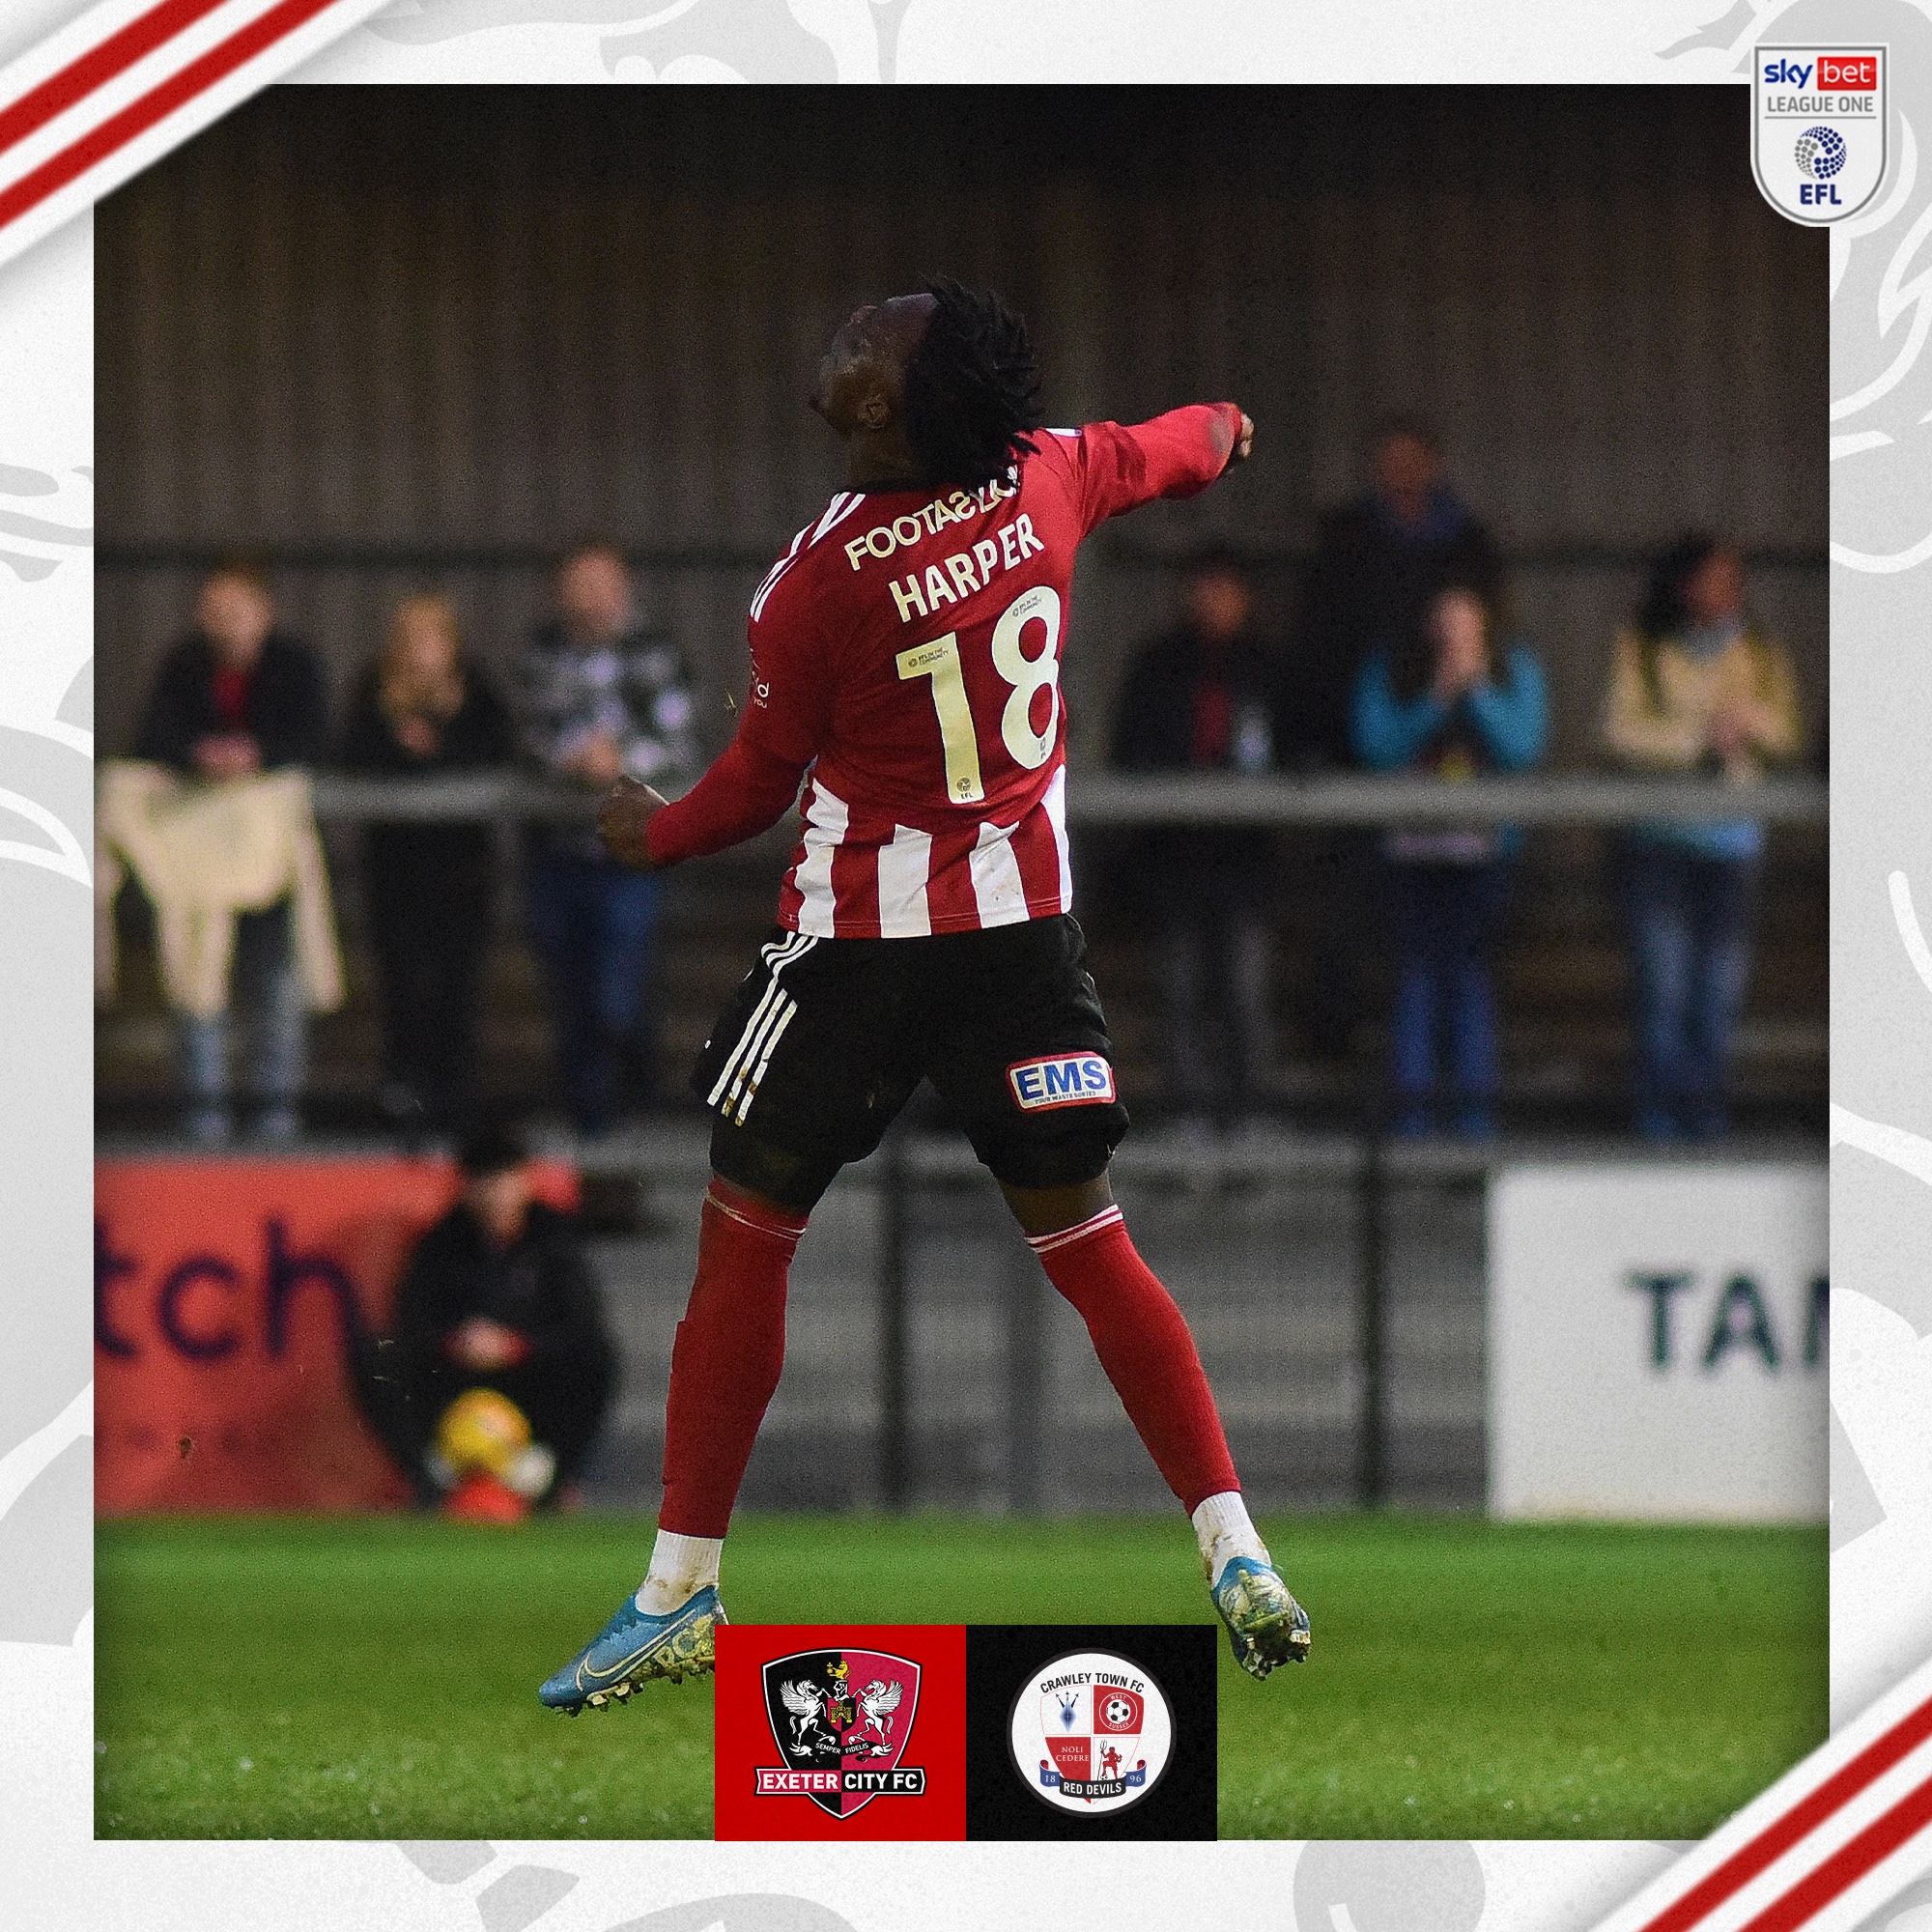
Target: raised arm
pixel 1385 730
pixel 1779 733
pixel 1634 730
pixel 1513 712
pixel 1121 465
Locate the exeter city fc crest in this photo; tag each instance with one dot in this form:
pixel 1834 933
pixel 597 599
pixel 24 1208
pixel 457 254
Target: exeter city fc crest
pixel 840 1720
pixel 1818 128
pixel 1091 1733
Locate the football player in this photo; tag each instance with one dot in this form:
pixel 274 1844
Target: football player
pixel 905 668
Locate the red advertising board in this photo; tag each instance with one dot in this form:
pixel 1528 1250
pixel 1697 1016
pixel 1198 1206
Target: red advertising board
pixel 223 1295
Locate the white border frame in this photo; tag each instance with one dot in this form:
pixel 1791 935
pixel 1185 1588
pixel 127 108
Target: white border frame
pixel 1882 1569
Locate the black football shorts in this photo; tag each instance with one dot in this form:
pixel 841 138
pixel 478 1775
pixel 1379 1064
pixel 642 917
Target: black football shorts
pixel 825 1040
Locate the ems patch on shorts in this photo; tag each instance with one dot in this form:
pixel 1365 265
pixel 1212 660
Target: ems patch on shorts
pixel 1061 1080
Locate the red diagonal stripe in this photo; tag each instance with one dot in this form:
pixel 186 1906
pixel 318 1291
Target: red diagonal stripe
pixel 97 66
pixel 1849 1863
pixel 1803 1818
pixel 156 104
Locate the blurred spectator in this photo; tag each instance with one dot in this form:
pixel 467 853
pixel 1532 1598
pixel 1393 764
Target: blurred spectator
pixel 599 696
pixel 423 707
pixel 233 699
pixel 1694 687
pixel 1206 696
pixel 497 1296
pixel 1378 562
pixel 1379 559
pixel 1450 702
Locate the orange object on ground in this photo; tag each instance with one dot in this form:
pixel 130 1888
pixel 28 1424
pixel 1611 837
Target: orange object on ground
pixel 481 1497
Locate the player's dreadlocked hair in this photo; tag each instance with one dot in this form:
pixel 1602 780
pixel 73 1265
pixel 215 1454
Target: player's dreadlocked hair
pixel 973 390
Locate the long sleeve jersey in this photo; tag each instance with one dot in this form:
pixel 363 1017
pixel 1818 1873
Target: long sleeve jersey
pixel 905 654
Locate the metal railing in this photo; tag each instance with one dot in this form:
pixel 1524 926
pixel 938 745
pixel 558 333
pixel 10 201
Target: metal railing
pixel 1112 798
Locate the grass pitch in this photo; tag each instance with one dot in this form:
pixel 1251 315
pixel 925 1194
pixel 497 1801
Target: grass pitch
pixel 377 1677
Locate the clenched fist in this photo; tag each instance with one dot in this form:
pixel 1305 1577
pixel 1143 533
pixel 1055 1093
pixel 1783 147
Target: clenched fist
pixel 628 808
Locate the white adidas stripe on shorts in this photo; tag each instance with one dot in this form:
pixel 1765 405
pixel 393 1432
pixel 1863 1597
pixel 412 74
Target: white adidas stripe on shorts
pixel 775 1008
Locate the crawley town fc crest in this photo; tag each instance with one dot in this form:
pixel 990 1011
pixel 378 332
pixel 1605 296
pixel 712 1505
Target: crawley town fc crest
pixel 1091 1732
pixel 840 1720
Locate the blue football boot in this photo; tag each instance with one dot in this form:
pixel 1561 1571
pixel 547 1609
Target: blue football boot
pixel 633 1648
pixel 1266 1625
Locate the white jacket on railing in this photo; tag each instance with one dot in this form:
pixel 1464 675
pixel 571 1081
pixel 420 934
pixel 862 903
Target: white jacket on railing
pixel 204 854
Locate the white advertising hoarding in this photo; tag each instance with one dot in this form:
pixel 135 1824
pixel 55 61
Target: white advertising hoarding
pixel 1658 1341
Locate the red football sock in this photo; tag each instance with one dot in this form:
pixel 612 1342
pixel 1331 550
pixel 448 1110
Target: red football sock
pixel 1144 1347
pixel 726 1361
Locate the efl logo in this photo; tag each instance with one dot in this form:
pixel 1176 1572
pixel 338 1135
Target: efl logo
pixel 1819 137
pixel 1061 1080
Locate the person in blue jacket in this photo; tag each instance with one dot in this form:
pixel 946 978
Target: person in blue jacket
pixel 1454 701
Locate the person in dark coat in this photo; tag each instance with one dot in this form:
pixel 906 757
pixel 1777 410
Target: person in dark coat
pixel 235 694
pixel 1207 696
pixel 500 1296
pixel 422 708
pixel 1379 562
pixel 233 697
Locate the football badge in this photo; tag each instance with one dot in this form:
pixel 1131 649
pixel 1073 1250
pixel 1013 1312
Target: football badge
pixel 1819 127
pixel 1091 1733
pixel 840 1720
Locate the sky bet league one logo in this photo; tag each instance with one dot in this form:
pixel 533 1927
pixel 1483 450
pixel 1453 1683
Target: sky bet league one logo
pixel 1091 1733
pixel 1818 128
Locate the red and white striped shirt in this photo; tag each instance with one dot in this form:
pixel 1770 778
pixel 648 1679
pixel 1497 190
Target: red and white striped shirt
pixel 905 659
